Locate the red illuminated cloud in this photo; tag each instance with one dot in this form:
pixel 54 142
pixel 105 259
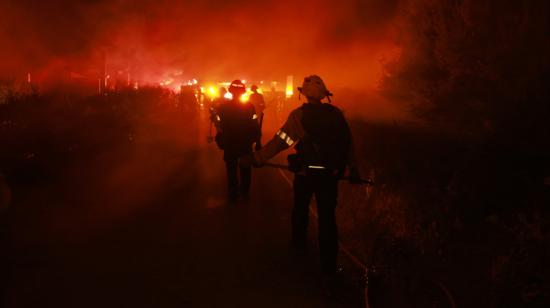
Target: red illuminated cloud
pixel 209 39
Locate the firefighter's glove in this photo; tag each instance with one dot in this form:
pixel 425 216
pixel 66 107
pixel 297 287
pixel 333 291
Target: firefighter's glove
pixel 248 161
pixel 258 146
pixel 354 176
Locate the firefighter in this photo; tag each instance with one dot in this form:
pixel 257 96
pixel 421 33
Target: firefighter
pixel 258 102
pixel 257 99
pixel 237 131
pixel 322 141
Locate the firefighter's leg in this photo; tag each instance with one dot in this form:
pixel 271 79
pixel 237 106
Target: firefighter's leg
pixel 258 145
pixel 232 180
pixel 326 194
pixel 245 175
pixel 300 212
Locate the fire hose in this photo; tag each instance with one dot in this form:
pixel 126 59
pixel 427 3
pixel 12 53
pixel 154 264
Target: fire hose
pixel 367 181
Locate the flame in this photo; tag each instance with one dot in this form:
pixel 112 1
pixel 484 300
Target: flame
pixel 289 86
pixel 210 91
pixel 289 92
pixel 166 82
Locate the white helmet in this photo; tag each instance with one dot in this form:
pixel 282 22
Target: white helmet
pixel 314 87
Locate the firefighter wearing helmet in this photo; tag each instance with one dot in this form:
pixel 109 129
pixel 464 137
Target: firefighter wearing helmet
pixel 237 131
pixel 257 100
pixel 322 140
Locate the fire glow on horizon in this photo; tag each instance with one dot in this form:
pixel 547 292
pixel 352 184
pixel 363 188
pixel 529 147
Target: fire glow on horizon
pixel 147 43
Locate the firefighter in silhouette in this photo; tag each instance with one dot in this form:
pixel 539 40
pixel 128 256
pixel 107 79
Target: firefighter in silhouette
pixel 257 100
pixel 322 140
pixel 237 131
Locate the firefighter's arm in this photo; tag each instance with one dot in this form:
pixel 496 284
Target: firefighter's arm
pixel 272 148
pixel 216 116
pixel 253 123
pixel 217 121
pixel 291 132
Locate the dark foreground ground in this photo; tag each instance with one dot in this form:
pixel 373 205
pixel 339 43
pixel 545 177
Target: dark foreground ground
pixel 145 224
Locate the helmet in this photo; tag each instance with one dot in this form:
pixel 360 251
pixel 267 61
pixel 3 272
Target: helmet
pixel 314 87
pixel 237 88
pixel 254 88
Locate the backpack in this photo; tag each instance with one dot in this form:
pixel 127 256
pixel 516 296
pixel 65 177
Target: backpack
pixel 327 137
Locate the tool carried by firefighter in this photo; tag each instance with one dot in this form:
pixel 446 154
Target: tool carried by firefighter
pixel 367 181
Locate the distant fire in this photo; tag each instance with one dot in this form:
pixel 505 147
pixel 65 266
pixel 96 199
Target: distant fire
pixel 213 92
pixel 202 89
pixel 289 86
pixel 166 82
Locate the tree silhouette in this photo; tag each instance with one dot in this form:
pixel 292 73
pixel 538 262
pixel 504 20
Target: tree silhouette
pixel 475 65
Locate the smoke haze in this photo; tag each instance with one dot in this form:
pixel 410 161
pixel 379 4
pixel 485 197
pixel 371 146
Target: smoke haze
pixel 409 49
pixel 207 39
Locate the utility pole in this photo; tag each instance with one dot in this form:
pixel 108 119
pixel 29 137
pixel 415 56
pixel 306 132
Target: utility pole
pixel 103 73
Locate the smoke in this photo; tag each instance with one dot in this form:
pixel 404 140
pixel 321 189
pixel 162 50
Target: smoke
pixel 416 53
pixel 475 65
pixel 345 42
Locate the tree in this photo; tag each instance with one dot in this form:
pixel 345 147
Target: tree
pixel 475 65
